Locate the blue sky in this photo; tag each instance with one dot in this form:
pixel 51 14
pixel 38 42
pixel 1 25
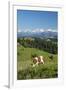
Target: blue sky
pixel 35 21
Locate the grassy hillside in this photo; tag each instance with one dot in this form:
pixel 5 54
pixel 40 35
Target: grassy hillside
pixel 24 64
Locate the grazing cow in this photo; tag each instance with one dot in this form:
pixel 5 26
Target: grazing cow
pixel 38 60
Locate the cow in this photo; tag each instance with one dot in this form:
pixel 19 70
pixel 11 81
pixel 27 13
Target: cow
pixel 38 60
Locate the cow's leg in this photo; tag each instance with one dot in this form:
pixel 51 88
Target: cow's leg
pixel 42 61
pixel 37 64
pixel 33 65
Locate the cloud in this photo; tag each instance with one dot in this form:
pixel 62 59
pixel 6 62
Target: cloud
pixel 19 31
pixel 26 30
pixel 31 30
pixel 37 30
pixel 51 30
pixel 43 30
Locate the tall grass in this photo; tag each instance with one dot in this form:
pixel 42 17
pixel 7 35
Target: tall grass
pixel 38 72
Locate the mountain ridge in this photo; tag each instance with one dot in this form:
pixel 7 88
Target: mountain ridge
pixel 47 34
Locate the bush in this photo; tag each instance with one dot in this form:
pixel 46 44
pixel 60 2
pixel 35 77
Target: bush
pixel 51 57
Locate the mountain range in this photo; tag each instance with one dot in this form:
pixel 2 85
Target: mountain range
pixel 46 34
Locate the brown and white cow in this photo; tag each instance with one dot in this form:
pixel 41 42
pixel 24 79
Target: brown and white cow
pixel 38 60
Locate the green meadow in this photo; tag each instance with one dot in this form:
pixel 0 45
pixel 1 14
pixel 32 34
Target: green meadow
pixel 25 70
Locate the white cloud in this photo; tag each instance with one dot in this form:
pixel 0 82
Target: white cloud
pixel 31 31
pixel 19 31
pixel 42 30
pixel 36 30
pixel 26 30
pixel 51 30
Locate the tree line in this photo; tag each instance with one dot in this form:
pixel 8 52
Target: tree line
pixel 49 45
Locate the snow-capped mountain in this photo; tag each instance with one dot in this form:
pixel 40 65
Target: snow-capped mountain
pixel 39 34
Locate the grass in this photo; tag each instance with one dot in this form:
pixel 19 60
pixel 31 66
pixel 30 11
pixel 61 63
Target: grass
pixel 24 64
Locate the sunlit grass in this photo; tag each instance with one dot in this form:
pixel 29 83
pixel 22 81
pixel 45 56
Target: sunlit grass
pixel 24 64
